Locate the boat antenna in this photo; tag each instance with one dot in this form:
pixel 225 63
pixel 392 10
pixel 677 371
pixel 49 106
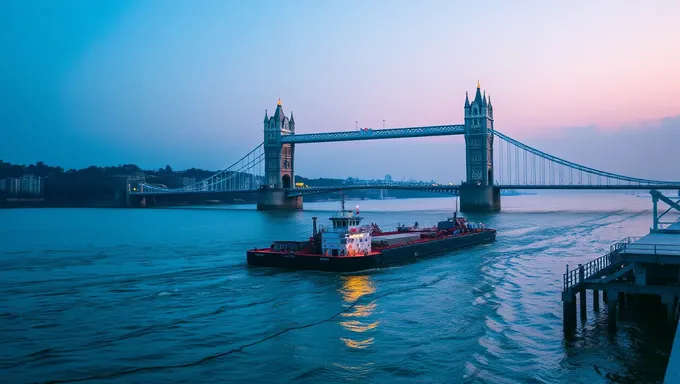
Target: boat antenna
pixel 342 200
pixel 455 213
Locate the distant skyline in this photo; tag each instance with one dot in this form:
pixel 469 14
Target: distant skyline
pixel 112 82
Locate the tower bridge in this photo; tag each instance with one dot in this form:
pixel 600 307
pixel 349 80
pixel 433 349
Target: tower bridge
pixel 494 161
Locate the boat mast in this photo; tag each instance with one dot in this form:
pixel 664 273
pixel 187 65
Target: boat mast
pixel 342 200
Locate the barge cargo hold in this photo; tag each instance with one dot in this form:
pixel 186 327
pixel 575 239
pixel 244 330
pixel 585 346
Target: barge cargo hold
pixel 347 246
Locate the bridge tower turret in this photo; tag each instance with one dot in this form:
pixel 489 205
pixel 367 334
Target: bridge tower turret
pixel 279 168
pixel 478 192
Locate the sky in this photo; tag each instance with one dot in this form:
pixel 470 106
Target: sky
pixel 187 84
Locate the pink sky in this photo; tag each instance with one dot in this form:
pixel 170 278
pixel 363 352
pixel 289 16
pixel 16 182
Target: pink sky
pixel 195 81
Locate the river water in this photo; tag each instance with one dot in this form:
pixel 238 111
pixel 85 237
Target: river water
pixel 165 295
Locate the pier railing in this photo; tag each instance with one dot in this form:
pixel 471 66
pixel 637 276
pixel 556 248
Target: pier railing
pixel 577 276
pixel 652 249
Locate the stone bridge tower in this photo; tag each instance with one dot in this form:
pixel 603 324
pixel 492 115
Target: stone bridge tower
pixel 478 192
pixel 279 168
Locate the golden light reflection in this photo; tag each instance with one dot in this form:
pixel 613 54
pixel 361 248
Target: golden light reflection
pixel 358 326
pixel 357 344
pixel 361 310
pixel 353 288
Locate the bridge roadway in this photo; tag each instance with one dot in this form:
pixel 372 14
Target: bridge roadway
pixel 374 134
pixel 453 189
pixel 448 189
pixel 445 189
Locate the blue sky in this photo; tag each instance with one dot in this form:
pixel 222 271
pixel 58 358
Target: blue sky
pixel 186 84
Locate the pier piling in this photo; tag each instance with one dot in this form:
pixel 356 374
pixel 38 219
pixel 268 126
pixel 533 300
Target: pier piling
pixel 611 312
pixel 568 311
pixel 582 293
pixel 669 302
pixel 596 300
pixel 622 299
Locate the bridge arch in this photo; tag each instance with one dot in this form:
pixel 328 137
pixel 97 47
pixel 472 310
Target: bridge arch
pixel 285 181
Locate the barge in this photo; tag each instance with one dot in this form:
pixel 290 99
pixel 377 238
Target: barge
pixel 347 245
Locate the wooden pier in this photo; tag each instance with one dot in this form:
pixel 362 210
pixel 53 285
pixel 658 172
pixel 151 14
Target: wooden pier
pixel 673 368
pixel 648 265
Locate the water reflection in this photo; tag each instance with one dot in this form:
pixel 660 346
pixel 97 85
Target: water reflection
pixel 353 288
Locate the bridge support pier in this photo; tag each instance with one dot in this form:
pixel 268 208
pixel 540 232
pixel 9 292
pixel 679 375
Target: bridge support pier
pixel 277 200
pixel 479 198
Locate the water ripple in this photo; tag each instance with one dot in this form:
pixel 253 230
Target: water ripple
pixel 176 302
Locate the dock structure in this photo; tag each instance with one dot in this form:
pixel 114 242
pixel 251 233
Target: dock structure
pixel 648 265
pixel 673 367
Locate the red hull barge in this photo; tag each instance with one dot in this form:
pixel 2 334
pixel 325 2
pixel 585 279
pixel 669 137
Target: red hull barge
pixel 376 259
pixel 347 247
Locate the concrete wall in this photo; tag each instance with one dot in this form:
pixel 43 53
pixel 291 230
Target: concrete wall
pixel 276 200
pixel 480 198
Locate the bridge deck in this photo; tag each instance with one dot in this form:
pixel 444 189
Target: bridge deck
pixel 603 186
pixel 448 189
pixel 375 134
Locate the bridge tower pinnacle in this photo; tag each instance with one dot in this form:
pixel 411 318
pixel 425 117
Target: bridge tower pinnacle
pixel 478 192
pixel 279 164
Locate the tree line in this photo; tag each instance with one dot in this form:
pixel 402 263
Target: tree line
pixel 96 186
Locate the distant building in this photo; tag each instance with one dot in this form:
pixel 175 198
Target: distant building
pixel 13 186
pixel 31 185
pixel 138 176
pixel 186 181
pixel 388 178
pixel 3 185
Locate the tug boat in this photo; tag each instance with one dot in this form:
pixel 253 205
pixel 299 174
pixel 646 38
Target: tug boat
pixel 347 245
